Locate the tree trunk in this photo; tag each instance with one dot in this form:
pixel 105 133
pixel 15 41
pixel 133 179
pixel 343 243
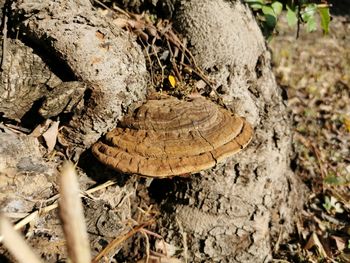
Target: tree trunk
pixel 235 212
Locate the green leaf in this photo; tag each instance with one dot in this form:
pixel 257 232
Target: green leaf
pixel 255 4
pixel 331 204
pixel 325 18
pixel 309 12
pixel 311 24
pixel 292 18
pixel 255 1
pixel 270 16
pixel 267 10
pixel 270 21
pixel 332 179
pixel 327 203
pixel 277 7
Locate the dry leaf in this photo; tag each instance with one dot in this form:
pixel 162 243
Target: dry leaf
pixel 315 241
pixel 165 248
pixel 50 136
pixel 41 128
pixel 347 123
pixel 340 242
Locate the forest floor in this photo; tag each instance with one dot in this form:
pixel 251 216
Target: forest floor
pixel 314 70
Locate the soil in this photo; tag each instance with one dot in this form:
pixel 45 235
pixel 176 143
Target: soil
pixel 314 70
pixel 240 211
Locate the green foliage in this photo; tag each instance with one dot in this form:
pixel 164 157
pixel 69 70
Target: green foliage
pixel 297 12
pixel 332 179
pixel 292 18
pixel 338 178
pixel 325 18
pixel 332 205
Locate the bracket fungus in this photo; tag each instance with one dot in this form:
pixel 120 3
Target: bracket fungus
pixel 167 137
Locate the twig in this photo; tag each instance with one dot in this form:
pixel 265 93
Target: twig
pixel 146 231
pixel 199 74
pixel 4 42
pixel 149 59
pixel 15 243
pixel 100 187
pixel 174 39
pixel 147 245
pixel 114 7
pixel 172 59
pixel 159 62
pixel 278 242
pixel 32 216
pixel 117 241
pixel 152 234
pixel 72 216
pixel 184 44
pixel 121 10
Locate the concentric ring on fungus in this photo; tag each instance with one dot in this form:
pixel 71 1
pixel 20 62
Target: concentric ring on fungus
pixel 168 137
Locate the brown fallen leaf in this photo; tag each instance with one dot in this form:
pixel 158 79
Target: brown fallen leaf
pixel 41 128
pixel 165 248
pixel 50 136
pixel 340 242
pixel 314 241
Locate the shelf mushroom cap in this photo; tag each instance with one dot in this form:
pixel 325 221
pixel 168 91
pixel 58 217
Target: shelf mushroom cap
pixel 167 137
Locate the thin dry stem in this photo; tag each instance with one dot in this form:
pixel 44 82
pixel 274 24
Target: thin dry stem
pixel 34 215
pixel 159 62
pixel 148 232
pixel 72 216
pixel 184 44
pixel 99 187
pixel 147 245
pixel 15 243
pixel 173 62
pixel 4 42
pixel 120 239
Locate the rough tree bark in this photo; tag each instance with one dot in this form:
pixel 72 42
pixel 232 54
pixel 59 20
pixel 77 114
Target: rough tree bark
pixel 233 213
